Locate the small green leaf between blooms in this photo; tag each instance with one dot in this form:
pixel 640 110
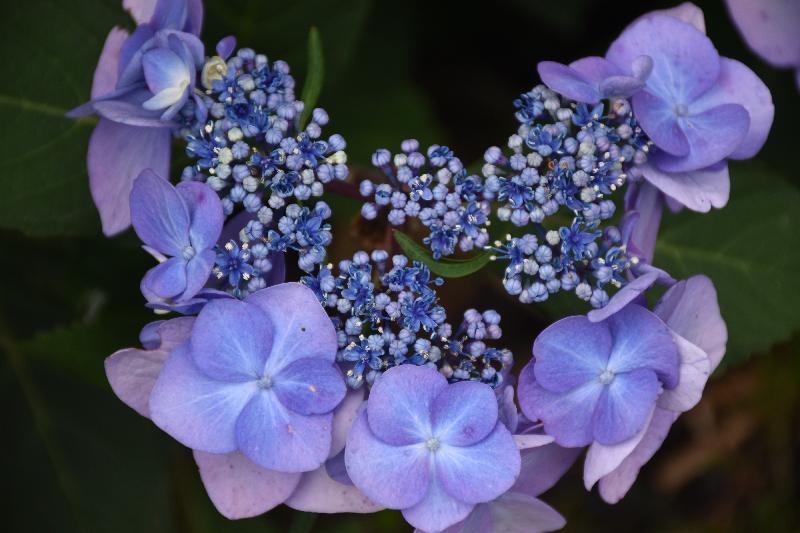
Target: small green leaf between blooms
pixel 447 268
pixel 314 77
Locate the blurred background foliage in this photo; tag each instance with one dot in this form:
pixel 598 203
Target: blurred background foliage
pixel 75 459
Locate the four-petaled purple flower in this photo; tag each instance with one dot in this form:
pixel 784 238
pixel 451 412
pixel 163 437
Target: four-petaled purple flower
pixel 431 449
pixel 257 376
pixel 182 222
pixel 599 381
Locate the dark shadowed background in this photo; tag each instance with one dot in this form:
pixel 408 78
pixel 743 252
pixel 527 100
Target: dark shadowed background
pixel 74 458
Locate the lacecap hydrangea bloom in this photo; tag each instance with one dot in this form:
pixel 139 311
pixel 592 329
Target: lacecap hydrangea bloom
pixel 342 385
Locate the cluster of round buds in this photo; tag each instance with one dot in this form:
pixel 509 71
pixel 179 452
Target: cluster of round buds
pixel 436 190
pixel 387 313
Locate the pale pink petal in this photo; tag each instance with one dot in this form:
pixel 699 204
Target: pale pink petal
pixel 318 493
pixel 602 459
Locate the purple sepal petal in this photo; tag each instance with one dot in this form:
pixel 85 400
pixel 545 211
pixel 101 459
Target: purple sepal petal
pixel 571 352
pixel 301 326
pixel 205 213
pixel 105 75
pixel 344 416
pixel 149 337
pixel 198 270
pixel 239 488
pixel 275 438
pixel 400 401
pixel 393 476
pixel 642 340
pixel 568 82
pixel 482 471
pixel 117 156
pixel 694 371
pixel 713 135
pixel 737 84
pixel 511 513
pixel 625 406
pixel 226 46
pixel 336 469
pixel 658 119
pixel 691 310
pixel 770 29
pixel 159 214
pixel 648 202
pixel 165 280
pixel 624 296
pixel 310 386
pixel 532 440
pixel 140 10
pixel 437 510
pixel 464 413
pixel 132 373
pixel 616 484
pixel 319 493
pixel 543 467
pixel 602 459
pixel 687 12
pixel 195 410
pixel 232 341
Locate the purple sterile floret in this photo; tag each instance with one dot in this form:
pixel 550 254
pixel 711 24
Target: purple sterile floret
pixel 431 449
pixel 598 381
pixel 179 225
pixel 592 79
pixel 257 376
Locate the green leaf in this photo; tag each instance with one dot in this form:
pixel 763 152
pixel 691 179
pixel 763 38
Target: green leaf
pixel 750 249
pixel 314 76
pixel 55 47
pixel 447 268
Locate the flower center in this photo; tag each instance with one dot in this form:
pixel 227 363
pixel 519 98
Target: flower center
pixel 433 444
pixel 265 382
pixel 681 110
pixel 188 253
pixel 606 377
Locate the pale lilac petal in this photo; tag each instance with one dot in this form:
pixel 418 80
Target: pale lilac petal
pixel 615 485
pixel 159 215
pixel 163 70
pixel 301 326
pixel 543 467
pixel 166 280
pixel 437 510
pixel 198 270
pixel 343 418
pixel 140 10
pixel 310 386
pixel 602 459
pixel 532 440
pixel 205 213
pixel 117 155
pixel 239 488
pixel 507 409
pixel 713 135
pixel 568 82
pixel 624 296
pixel 195 410
pixel 567 417
pixel 694 371
pixel 571 352
pixel 737 84
pixel 464 413
pixel 393 476
pixel 318 493
pixel 132 373
pixel 699 190
pixel 400 402
pixel 596 69
pixel 658 119
pixel 105 75
pixel 687 12
pixel 625 86
pixel 482 471
pixel 336 469
pixel 649 204
pixel 511 513
pixel 642 340
pixel 231 341
pixel 129 109
pixel 770 28
pixel 685 62
pixel 691 310
pixel 275 438
pixel 625 406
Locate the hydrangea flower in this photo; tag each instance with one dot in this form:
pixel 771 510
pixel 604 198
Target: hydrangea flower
pixel 599 381
pixel 431 449
pixel 691 312
pixel 257 376
pixel 770 29
pixel 130 136
pixel 181 222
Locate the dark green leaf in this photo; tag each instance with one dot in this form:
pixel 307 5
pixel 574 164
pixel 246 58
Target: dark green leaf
pixel 447 268
pixel 315 75
pixel 750 249
pixel 55 46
